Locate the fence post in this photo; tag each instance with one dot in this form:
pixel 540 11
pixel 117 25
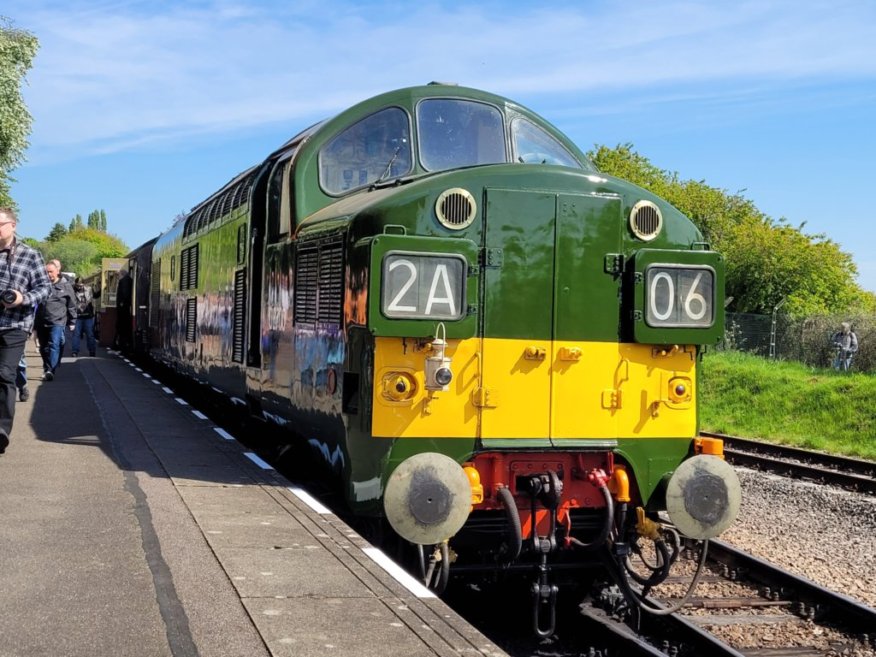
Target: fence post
pixel 773 329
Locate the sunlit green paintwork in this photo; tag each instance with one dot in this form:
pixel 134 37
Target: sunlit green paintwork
pixel 550 257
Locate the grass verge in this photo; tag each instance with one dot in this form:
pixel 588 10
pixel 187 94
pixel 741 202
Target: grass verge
pixel 789 403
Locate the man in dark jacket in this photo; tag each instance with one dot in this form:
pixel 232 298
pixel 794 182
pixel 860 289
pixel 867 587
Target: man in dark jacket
pixel 56 312
pixel 84 317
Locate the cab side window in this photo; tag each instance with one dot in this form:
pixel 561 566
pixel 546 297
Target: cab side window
pixel 376 148
pixel 280 201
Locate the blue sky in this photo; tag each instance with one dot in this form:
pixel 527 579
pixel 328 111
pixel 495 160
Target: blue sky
pixel 145 108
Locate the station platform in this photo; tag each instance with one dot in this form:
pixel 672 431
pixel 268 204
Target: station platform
pixel 130 525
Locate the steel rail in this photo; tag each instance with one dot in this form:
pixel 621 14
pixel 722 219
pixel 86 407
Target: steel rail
pixel 686 633
pixel 617 635
pixel 850 473
pixel 806 598
pixel 829 606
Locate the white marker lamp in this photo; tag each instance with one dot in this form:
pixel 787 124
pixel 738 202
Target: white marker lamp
pixel 438 372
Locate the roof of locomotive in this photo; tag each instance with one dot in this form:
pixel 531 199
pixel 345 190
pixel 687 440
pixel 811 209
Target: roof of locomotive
pixel 311 192
pixel 409 97
pixel 306 145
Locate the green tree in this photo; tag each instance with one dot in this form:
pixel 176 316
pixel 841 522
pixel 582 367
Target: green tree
pixel 76 223
pixel 97 220
pixel 17 50
pixel 767 260
pixel 713 210
pixel 866 303
pixel 75 255
pixel 81 250
pixel 622 161
pixel 58 231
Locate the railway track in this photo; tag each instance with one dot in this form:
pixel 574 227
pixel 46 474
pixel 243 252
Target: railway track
pixel 747 607
pixel 849 473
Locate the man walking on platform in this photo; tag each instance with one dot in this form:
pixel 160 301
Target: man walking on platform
pixel 84 317
pixel 23 284
pixel 57 312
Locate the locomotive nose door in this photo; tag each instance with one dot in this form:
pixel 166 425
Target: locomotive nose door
pixel 587 370
pixel 546 296
pixel 518 262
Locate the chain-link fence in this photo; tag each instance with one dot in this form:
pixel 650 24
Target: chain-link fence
pixel 806 340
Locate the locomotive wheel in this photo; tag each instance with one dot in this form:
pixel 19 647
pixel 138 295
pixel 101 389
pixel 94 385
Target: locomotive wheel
pixel 434 566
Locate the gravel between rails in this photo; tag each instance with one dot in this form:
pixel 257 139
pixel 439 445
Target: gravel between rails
pixel 825 534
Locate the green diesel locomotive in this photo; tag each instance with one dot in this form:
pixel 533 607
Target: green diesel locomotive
pixel 493 345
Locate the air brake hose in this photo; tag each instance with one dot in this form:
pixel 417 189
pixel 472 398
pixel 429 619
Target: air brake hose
pixel 643 602
pixel 658 573
pixel 513 518
pixel 676 543
pixel 620 517
pixel 606 527
pixel 443 564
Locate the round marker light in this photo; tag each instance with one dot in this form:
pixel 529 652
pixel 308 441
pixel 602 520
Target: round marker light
pixel 680 390
pixel 443 376
pixel 399 386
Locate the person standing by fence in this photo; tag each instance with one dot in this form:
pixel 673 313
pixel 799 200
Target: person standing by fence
pixel 846 343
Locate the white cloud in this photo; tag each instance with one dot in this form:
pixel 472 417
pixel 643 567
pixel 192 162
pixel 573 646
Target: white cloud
pixel 119 76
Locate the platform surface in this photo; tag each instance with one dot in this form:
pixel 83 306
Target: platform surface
pixel 132 526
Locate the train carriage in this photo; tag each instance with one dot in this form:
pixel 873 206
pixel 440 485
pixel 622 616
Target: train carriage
pixel 489 342
pixel 140 270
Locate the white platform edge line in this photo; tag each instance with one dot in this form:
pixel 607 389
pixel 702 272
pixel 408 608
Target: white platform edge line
pixel 255 459
pixel 167 390
pixel 180 400
pixel 224 434
pixel 397 573
pixel 199 415
pixel 309 500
